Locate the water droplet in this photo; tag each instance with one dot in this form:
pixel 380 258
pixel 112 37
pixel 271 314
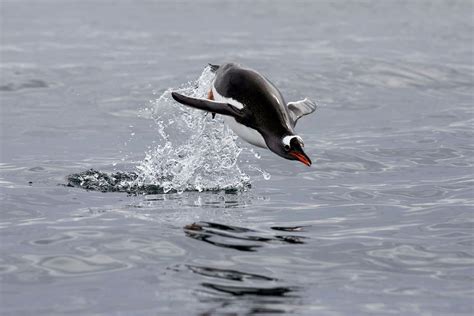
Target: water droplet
pixel 266 175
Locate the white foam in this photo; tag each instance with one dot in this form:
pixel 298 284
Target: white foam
pixel 194 152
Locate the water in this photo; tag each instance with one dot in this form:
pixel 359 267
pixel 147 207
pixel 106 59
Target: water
pixel 380 224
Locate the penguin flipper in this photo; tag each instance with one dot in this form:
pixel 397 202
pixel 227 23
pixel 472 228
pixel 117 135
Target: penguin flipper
pixel 208 105
pixel 301 108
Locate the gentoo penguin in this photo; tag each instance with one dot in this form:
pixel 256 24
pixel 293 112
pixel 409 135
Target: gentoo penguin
pixel 255 110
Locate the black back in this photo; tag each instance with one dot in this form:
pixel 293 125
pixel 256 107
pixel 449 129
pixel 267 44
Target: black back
pixel 264 109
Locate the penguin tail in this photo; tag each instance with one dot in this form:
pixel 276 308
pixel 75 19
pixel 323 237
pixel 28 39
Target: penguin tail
pixel 214 67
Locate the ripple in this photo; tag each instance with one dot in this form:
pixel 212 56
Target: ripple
pixel 164 248
pixel 417 155
pixel 379 73
pixel 7 268
pixel 67 237
pixel 285 261
pixel 69 265
pixel 29 84
pixel 406 251
pixel 417 259
pixel 52 240
pixel 336 163
pixel 416 192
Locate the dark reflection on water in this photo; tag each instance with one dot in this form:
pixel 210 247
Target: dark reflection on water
pixel 237 290
pixel 243 290
pixel 252 306
pixel 228 236
pixel 289 229
pixel 232 275
pixel 228 290
pixel 242 284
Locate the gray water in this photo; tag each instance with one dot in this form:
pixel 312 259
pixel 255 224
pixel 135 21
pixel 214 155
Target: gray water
pixel 381 224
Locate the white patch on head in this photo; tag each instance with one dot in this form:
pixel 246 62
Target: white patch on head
pixel 287 139
pixel 220 98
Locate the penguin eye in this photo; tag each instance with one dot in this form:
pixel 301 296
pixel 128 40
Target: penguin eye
pixel 287 148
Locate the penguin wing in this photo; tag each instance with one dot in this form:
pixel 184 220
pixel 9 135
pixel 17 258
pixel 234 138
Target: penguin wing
pixel 301 108
pixel 208 105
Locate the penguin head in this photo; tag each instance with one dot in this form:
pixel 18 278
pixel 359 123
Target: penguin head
pixel 291 147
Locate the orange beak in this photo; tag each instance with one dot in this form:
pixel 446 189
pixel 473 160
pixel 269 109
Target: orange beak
pixel 301 157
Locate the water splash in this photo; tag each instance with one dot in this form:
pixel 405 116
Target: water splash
pixel 195 152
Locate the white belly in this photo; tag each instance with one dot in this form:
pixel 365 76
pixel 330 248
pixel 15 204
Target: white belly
pixel 246 133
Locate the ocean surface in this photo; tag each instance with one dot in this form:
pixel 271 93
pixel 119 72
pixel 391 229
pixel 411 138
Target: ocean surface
pixel 115 200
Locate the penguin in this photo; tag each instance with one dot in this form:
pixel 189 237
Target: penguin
pixel 254 109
